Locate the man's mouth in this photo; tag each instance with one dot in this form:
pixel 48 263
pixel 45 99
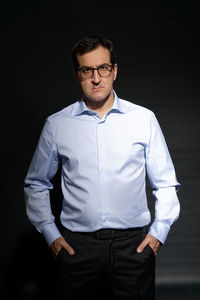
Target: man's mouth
pixel 97 88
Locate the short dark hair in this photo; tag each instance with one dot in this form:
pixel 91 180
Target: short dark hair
pixel 89 43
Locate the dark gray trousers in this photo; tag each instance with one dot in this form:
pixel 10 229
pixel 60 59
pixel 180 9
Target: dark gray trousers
pixel 106 267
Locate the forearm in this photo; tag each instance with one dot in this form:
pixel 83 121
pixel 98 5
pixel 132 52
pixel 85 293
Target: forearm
pixel 39 210
pixel 167 209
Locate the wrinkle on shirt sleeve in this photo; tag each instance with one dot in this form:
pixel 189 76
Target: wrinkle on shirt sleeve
pixel 162 178
pixel 43 167
pixel 159 165
pixel 167 210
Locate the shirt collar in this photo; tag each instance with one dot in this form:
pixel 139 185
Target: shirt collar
pixel 81 108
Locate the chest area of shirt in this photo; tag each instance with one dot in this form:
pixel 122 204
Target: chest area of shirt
pixel 82 139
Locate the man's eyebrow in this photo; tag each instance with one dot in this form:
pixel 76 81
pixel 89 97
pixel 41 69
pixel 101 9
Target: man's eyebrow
pixel 85 67
pixel 88 67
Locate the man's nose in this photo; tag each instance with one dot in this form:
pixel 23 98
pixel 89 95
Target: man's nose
pixel 96 78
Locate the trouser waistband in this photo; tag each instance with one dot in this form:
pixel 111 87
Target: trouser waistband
pixel 111 234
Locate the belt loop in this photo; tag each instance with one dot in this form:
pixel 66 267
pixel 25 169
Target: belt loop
pixel 113 234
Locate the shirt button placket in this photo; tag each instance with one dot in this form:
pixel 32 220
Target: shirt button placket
pixel 102 171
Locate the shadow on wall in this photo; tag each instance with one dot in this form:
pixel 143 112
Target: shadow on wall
pixel 32 274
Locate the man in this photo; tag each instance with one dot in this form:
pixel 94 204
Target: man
pixel 105 146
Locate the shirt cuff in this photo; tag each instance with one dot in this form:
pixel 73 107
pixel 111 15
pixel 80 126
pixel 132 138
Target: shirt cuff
pixel 51 233
pixel 159 231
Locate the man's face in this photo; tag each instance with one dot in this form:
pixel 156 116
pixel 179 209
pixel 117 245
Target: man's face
pixel 96 88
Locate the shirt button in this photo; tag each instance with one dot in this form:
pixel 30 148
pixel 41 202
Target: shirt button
pixel 105 219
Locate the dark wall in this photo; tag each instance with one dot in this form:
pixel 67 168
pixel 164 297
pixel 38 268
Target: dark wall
pixel 158 53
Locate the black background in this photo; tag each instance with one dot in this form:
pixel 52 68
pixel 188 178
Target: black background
pixel 158 54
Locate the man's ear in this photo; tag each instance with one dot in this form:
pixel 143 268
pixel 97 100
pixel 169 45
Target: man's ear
pixel 115 71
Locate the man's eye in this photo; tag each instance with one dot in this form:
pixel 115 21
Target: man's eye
pixel 86 70
pixel 103 68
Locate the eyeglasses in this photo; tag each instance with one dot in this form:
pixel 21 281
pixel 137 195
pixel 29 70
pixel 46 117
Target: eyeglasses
pixel 103 71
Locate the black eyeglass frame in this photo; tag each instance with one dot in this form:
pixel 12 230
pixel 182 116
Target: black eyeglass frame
pixel 98 68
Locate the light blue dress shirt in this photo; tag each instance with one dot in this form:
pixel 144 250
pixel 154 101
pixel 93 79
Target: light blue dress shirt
pixel 104 163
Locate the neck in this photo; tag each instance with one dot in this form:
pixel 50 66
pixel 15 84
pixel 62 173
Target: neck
pixel 101 107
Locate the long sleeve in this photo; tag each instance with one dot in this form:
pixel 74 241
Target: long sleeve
pixel 163 181
pixel 43 167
